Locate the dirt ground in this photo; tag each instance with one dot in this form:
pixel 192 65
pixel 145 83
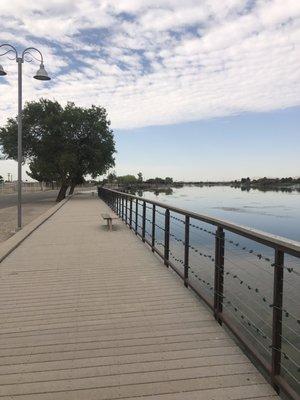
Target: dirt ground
pixel 8 216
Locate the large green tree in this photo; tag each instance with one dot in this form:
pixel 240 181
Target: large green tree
pixel 127 179
pixel 62 144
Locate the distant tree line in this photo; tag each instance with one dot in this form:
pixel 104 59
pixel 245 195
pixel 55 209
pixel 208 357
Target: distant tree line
pixel 266 182
pixel 244 182
pixel 136 180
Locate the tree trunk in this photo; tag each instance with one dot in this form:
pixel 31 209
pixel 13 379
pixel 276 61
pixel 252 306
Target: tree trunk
pixel 62 192
pixel 72 188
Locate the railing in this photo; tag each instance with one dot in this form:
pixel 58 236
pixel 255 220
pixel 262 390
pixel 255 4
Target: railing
pixel 247 277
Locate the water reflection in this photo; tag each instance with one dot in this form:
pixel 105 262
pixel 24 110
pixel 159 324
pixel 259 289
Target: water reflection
pixel 248 188
pixel 268 189
pixel 166 191
pixel 276 212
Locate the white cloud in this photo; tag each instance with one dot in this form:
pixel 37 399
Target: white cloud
pixel 164 62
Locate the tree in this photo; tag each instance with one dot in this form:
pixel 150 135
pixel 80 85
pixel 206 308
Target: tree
pixel 62 144
pixel 168 180
pixel 76 180
pixel 1 179
pixel 127 179
pixel 150 181
pixel 112 177
pixel 159 181
pixel 246 181
pixel 140 177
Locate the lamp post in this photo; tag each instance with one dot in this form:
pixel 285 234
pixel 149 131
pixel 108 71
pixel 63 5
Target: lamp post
pixel 41 75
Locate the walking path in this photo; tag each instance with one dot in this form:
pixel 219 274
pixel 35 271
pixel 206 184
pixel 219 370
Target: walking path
pixel 90 314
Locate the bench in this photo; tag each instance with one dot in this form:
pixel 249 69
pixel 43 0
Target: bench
pixel 108 218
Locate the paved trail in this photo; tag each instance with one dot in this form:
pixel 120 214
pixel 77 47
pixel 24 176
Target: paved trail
pixel 91 314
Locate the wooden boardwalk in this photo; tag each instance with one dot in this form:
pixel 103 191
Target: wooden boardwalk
pixel 89 314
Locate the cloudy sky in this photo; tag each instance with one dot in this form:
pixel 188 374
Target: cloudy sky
pixel 184 82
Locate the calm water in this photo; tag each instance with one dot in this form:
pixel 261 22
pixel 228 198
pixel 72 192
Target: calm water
pixel 273 212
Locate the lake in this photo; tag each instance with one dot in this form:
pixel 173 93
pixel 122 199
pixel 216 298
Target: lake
pixel 274 212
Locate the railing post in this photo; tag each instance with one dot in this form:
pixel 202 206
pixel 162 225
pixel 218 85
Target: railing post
pixel 144 222
pixel 130 213
pixel 277 316
pixel 219 273
pixel 136 215
pixel 117 204
pixel 167 237
pixel 122 208
pixel 186 250
pixel 153 227
pixel 126 210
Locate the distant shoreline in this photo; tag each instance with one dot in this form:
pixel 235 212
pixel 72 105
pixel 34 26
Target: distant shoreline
pixel 261 186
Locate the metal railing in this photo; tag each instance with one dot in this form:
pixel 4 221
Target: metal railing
pixel 218 260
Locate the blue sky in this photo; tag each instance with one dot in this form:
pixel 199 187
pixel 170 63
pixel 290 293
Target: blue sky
pixel 251 144
pixel 196 89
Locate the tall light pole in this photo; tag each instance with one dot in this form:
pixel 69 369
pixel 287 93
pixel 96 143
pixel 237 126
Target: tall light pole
pixel 41 75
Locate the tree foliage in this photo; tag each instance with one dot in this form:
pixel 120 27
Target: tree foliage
pixel 61 144
pixel 168 180
pixel 160 181
pixel 127 179
pixel 112 177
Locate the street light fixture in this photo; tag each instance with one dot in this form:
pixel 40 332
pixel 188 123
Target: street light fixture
pixel 2 72
pixel 41 75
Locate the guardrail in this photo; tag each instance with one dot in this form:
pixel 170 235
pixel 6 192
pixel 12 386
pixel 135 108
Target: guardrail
pixel 247 277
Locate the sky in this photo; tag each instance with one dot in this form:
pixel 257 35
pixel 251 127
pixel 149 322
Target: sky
pixel 194 89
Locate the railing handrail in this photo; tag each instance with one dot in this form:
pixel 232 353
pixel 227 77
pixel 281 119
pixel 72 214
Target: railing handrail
pixel 121 202
pixel 289 246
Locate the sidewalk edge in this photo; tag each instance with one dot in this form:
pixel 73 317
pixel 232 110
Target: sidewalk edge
pixel 9 245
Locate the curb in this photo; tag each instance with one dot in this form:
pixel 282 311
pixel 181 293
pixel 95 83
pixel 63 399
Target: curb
pixel 14 241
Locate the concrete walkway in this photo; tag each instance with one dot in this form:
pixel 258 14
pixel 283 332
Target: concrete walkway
pixel 89 314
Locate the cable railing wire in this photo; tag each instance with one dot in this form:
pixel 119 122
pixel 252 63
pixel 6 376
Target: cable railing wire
pixel 211 258
pixel 234 276
pixel 226 251
pixel 211 288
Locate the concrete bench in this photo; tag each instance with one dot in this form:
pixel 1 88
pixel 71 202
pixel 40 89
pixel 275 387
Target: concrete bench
pixel 108 218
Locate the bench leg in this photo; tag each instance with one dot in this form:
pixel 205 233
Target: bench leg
pixel 110 224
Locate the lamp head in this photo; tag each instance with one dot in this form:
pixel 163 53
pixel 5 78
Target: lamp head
pixel 42 74
pixel 2 72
